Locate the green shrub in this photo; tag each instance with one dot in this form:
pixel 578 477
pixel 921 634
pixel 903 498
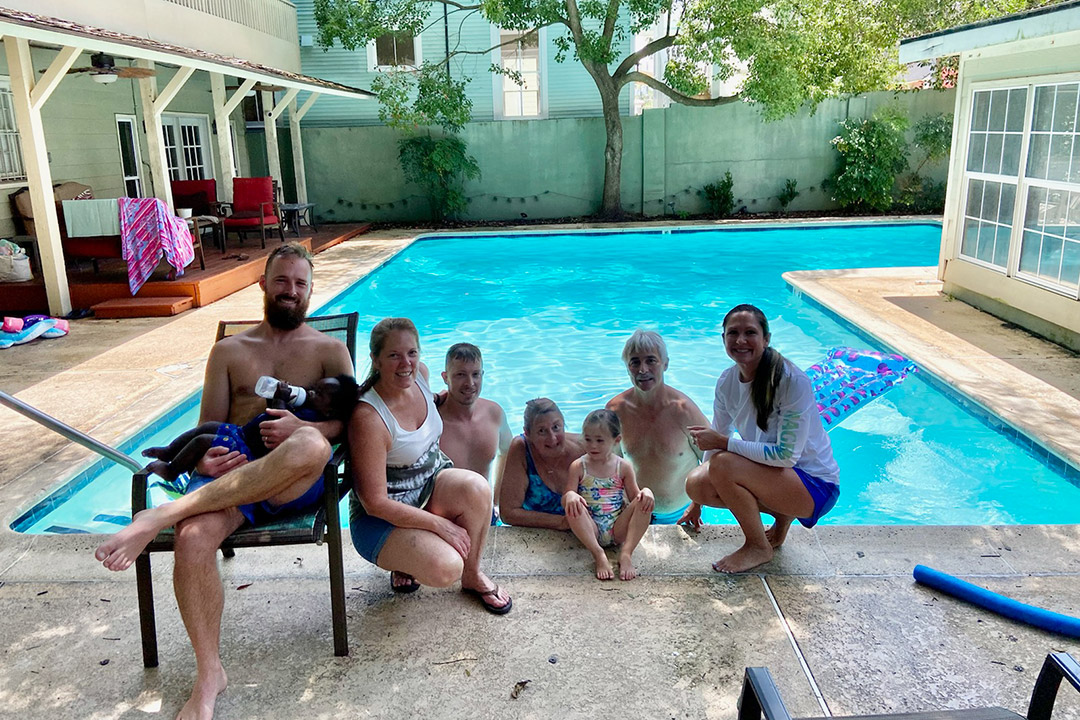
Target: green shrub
pixel 440 166
pixel 788 194
pixel 719 196
pixel 872 153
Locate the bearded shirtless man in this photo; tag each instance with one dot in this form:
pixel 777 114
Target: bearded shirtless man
pixel 230 491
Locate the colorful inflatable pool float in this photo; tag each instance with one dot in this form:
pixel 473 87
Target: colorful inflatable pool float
pixel 848 378
pixel 16 331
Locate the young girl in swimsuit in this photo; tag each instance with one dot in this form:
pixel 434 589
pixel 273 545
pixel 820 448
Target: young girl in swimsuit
pixel 603 503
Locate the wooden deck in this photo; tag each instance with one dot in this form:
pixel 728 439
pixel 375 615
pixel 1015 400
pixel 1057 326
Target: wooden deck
pixel 106 292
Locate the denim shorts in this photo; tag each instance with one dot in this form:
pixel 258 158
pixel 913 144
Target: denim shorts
pixel 823 493
pixel 263 512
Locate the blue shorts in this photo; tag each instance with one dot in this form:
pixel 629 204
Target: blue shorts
pixel 670 518
pixel 823 493
pixel 265 511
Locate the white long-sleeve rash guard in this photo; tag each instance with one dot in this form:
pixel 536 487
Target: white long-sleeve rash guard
pixel 795 436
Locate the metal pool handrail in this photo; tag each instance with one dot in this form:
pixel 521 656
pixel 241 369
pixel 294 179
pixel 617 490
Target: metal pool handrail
pixel 106 451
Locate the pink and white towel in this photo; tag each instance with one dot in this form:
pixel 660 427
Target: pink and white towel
pixel 147 230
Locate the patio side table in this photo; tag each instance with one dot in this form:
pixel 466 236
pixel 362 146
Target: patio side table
pixel 295 212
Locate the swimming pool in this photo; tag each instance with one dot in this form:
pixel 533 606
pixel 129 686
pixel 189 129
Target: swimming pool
pixel 551 312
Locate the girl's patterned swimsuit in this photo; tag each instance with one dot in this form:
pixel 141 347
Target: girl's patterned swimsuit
pixel 605 499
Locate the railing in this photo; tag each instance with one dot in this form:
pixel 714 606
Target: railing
pixel 273 17
pixel 70 433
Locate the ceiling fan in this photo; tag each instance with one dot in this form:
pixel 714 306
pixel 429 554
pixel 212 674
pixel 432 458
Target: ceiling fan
pixel 103 69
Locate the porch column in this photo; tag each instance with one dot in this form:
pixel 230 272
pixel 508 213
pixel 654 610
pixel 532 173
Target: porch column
pixel 295 116
pixel 29 95
pixel 273 159
pixel 223 109
pixel 153 105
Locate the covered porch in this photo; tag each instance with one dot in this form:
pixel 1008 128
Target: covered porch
pixel 31 41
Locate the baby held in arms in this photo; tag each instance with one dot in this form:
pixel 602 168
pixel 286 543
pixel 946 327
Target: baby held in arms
pixel 602 501
pixel 328 399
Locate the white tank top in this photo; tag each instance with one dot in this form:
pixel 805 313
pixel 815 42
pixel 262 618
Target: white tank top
pixel 407 446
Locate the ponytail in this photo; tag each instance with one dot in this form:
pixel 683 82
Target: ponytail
pixel 763 388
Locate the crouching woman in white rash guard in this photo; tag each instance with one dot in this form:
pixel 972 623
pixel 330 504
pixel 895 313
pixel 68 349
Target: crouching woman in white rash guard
pixel 781 463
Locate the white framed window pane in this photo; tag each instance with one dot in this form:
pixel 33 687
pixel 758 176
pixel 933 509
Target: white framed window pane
pixel 512 104
pixel 976 151
pixel 1044 108
pixel 1017 108
pixel 980 113
pixel 1050 258
pixel 1036 208
pixel 974 199
pixel 1061 148
pixel 11 159
pixel 992 163
pixel 530 103
pixel 969 241
pixel 999 103
pixel 1038 155
pixel 985 249
pixel 1010 155
pixel 1001 245
pixel 1007 206
pixel 1029 251
pixel 1070 264
pixel 991 198
pixel 1065 109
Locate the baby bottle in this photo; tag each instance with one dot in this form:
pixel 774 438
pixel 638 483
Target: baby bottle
pixel 267 387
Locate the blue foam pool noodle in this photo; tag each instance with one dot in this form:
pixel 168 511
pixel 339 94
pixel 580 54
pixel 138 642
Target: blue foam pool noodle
pixel 1014 609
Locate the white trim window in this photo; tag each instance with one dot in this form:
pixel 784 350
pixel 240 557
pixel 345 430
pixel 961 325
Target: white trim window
pixel 187 148
pixel 130 165
pixel 1050 247
pixel 522 54
pixel 395 51
pixel 11 159
pixel 993 163
pixel 1022 182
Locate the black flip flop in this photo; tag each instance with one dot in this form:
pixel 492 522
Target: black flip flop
pixel 409 587
pixel 491 608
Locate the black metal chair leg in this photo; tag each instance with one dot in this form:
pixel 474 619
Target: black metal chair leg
pixel 147 621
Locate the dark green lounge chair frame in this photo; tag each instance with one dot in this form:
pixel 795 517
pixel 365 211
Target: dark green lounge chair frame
pixel 760 697
pixel 322 526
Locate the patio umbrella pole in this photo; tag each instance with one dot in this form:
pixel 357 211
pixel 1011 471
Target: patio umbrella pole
pixel 70 433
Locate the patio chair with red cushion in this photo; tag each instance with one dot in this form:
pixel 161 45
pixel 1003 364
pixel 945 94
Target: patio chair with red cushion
pixel 254 206
pixel 200 196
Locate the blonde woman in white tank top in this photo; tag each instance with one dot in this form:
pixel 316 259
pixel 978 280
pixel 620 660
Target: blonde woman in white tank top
pixel 411 511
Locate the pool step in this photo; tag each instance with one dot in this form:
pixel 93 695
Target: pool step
pixel 142 307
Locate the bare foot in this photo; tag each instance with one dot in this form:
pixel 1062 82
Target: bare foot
pixel 200 706
pixel 743 559
pixel 777 534
pixel 155 452
pixel 162 469
pixel 627 571
pixel 604 570
pixel 119 552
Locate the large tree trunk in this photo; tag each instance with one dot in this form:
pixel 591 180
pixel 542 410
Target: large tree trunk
pixel 612 204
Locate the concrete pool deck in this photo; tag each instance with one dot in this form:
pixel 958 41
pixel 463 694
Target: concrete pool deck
pixel 835 616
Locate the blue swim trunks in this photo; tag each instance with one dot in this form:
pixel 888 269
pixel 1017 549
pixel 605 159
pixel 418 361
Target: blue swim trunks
pixel 670 518
pixel 263 512
pixel 824 494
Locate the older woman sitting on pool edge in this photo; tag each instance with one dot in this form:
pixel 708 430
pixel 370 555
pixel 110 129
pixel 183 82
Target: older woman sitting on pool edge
pixel 781 463
pixel 537 467
pixel 411 511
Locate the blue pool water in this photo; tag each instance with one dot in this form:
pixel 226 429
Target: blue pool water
pixel 551 312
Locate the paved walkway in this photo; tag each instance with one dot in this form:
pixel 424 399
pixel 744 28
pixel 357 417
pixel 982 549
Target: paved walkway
pixel 835 616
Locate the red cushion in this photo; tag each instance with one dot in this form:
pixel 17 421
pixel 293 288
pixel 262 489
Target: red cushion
pixel 250 193
pixel 249 220
pixel 195 194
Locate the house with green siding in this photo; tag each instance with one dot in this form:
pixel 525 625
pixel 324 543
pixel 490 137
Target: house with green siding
pixel 551 89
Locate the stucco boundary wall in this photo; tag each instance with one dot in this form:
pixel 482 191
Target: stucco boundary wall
pixel 554 168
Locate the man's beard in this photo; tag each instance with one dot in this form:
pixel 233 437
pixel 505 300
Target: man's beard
pixel 282 317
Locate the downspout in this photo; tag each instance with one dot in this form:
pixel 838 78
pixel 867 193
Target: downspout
pixel 446 38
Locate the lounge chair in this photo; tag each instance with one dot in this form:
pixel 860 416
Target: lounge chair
pixel 760 697
pixel 320 526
